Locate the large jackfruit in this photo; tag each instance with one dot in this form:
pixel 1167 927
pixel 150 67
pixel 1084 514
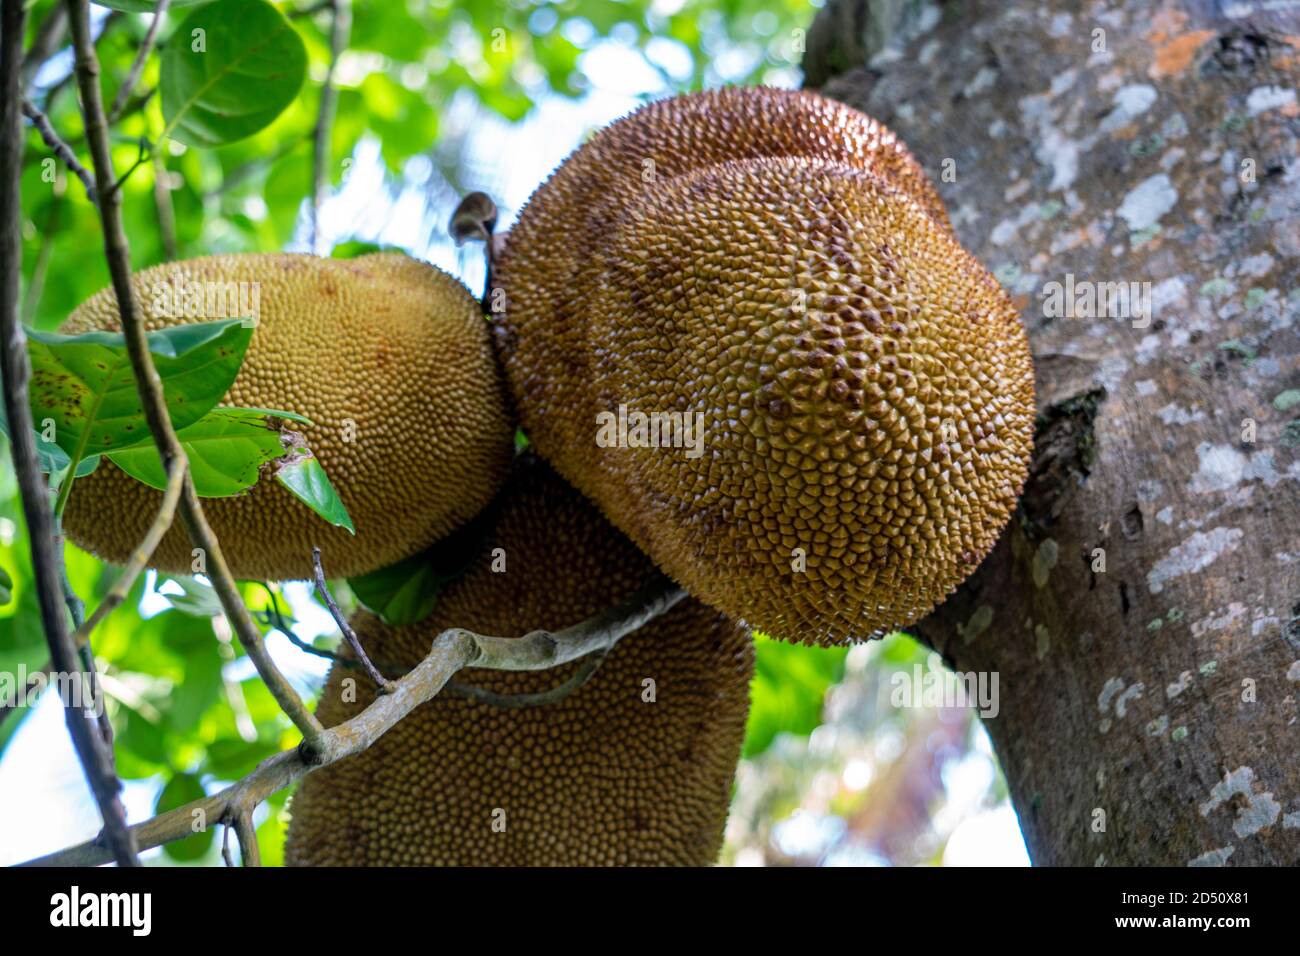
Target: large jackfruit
pixel 777 265
pixel 634 767
pixel 388 357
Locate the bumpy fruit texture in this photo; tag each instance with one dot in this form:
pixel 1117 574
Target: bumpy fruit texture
pixel 620 772
pixel 787 274
pixel 387 356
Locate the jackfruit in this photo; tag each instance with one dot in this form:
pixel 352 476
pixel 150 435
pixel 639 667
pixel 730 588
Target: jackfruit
pixel 390 360
pixel 634 767
pixel 776 269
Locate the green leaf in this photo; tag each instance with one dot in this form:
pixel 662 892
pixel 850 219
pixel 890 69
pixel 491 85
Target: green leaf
pixel 305 477
pixel 199 599
pixel 180 790
pixel 401 593
pixel 230 69
pixel 407 592
pixel 226 449
pixel 84 383
pixel 788 690
pixel 50 457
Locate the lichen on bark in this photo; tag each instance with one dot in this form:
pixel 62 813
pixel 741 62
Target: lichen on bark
pixel 1149 707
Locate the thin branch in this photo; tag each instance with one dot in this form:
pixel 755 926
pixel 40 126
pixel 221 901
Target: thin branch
pixel 162 200
pixel 149 384
pixel 590 665
pixel 275 619
pixel 452 650
pixel 143 551
pixel 142 55
pixel 349 635
pixel 340 30
pixel 90 747
pixel 249 852
pixel 58 147
pixel 225 845
pixel 144 154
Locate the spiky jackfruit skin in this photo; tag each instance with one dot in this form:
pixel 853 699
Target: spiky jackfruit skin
pixel 865 385
pixel 603 777
pixel 390 360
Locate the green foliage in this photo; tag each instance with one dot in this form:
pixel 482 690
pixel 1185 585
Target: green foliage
pixel 789 688
pixel 226 450
pixel 83 384
pixel 230 70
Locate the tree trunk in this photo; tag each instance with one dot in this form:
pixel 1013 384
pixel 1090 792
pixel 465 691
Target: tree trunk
pixel 1142 612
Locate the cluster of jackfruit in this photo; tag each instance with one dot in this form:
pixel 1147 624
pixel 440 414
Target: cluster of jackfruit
pixel 843 412
pixel 775 271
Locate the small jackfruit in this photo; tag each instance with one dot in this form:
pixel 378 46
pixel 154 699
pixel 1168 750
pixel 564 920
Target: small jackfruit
pixel 390 360
pixel 741 324
pixel 633 767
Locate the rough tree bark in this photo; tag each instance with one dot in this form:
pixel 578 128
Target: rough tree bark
pixel 1149 710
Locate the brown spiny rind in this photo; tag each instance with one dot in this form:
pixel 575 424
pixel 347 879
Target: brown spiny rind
pixel 605 776
pixel 388 357
pixel 865 385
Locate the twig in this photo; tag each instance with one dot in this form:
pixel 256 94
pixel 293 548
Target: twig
pixel 77 609
pixel 133 77
pixel 162 200
pixel 35 493
pixel 144 155
pixel 590 665
pixel 349 635
pixel 249 852
pixel 225 845
pixel 452 650
pixel 49 36
pixel 340 30
pixel 149 385
pixel 275 619
pixel 57 146
pixel 143 551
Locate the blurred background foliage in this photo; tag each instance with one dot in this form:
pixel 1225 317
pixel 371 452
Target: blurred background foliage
pixel 436 97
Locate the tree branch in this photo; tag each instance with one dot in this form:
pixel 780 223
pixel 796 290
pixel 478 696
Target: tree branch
pixel 340 30
pixel 249 852
pixel 58 147
pixel 90 746
pixel 590 665
pixel 142 55
pixel 150 385
pixel 349 635
pixel 143 551
pixel 452 650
